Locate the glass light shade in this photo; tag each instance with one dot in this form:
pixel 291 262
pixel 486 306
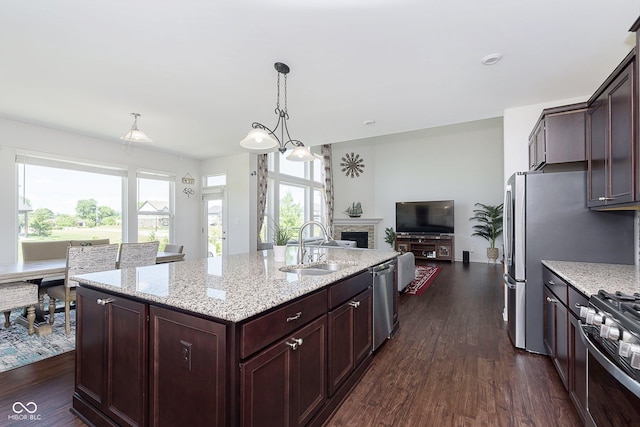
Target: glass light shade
pixel 136 135
pixel 301 154
pixel 259 141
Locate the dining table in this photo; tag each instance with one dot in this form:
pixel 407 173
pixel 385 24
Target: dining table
pixel 52 268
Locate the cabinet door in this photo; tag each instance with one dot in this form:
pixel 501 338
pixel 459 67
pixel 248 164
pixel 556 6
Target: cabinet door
pixel 621 138
pixel 309 375
pixel 541 147
pixel 532 152
pixel 91 321
pixel 187 369
pixel 562 343
pixel 285 384
pixel 363 325
pixel 111 364
pixel 597 120
pixel 340 359
pixel 578 367
pixel 549 322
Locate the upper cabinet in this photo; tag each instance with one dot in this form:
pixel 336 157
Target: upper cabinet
pixel 558 137
pixel 611 140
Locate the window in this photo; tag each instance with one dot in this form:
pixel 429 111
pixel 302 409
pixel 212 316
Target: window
pixel 155 207
pixel 295 195
pixel 68 200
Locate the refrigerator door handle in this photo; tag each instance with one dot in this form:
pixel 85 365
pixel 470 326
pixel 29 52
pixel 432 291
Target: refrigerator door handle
pixel 506 227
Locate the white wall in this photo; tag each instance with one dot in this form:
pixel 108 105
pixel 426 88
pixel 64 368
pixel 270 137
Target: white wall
pixel 463 162
pixel 16 136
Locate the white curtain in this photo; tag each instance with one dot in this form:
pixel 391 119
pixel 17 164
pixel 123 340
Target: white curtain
pixel 327 171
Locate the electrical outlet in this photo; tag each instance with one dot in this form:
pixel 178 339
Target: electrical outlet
pixel 185 354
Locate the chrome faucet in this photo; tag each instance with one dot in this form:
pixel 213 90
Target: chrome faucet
pixel 301 249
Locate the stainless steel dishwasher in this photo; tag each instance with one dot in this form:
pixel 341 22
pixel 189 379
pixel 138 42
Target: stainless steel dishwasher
pixel 383 289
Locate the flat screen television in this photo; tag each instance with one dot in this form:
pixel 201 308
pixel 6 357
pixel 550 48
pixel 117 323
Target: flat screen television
pixel 428 217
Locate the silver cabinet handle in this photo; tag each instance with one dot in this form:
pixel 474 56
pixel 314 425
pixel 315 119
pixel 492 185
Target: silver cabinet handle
pixel 553 300
pixel 105 301
pixel 294 317
pixel 354 304
pixel 604 199
pixel 551 282
pixel 296 342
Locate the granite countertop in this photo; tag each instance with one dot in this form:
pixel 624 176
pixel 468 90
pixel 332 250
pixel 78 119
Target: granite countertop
pixel 589 278
pixel 231 288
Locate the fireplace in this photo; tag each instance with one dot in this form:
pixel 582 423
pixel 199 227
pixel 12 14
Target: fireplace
pixel 360 237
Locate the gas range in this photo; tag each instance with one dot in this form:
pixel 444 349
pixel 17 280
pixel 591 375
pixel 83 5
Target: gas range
pixel 612 321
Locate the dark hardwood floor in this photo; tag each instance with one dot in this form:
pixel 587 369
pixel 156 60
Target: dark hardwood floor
pixel 451 364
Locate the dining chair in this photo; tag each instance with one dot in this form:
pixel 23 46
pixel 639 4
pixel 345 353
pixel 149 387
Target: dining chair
pixel 137 254
pixel 80 260
pixel 174 249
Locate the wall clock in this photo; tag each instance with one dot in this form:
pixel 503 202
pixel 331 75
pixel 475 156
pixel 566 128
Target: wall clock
pixel 352 165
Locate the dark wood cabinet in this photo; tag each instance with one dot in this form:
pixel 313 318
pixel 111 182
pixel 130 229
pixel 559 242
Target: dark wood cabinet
pixel 187 369
pixel 562 339
pixel 558 137
pixel 611 139
pixel 577 353
pixel 285 385
pixel 427 248
pixel 350 337
pixel 111 358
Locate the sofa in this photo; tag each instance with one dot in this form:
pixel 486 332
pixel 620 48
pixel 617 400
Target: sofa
pixel 406 270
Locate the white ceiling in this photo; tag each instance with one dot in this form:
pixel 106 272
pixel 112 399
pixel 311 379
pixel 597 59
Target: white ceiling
pixel 201 71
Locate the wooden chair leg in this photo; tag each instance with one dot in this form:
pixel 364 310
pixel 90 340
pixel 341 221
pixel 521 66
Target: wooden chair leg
pixel 7 314
pixel 31 318
pixel 52 309
pixel 67 313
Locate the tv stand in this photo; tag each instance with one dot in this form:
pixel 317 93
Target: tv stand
pixel 427 247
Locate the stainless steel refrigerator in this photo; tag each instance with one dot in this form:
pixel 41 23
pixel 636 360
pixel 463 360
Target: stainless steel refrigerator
pixel 546 217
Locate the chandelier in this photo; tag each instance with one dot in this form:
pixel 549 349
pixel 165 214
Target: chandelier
pixel 261 139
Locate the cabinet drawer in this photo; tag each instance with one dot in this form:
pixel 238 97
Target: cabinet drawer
pixel 576 298
pixel 556 285
pixel 348 288
pixel 266 329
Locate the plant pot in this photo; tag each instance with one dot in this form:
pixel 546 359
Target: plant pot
pixel 492 253
pixel 279 253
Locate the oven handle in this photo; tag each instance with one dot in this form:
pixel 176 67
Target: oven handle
pixel 624 379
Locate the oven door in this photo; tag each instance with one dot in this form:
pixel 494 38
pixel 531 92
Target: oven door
pixel 613 397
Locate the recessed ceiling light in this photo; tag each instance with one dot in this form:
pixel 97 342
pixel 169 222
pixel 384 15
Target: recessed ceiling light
pixel 492 58
pixel 369 122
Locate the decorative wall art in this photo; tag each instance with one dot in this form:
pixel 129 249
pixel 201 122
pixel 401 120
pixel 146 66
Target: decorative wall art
pixel 352 164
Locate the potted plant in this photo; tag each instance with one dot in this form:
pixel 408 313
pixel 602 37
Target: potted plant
pixel 489 226
pixel 389 236
pixel 281 235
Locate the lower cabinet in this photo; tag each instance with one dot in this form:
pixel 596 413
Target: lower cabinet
pixel 350 337
pixel 187 370
pixel 111 358
pixel 130 373
pixel 555 334
pixel 285 385
pixel 562 337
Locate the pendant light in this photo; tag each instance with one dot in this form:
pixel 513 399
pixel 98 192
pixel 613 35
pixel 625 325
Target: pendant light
pixel 135 134
pixel 261 139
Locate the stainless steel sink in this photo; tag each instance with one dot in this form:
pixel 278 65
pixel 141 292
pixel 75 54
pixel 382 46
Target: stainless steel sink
pixel 317 268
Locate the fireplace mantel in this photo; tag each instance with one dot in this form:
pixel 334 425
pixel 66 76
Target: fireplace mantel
pixel 350 221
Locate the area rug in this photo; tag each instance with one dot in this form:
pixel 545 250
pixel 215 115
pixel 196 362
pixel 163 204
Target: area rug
pixel 425 275
pixel 18 348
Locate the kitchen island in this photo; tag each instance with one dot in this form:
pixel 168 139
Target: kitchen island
pixel 223 341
